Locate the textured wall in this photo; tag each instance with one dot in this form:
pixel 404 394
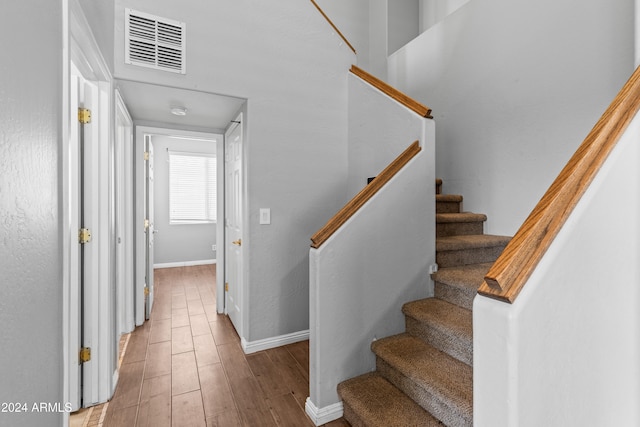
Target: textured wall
pixel 567 352
pixel 515 87
pixel 30 248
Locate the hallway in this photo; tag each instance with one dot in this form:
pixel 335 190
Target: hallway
pixel 185 366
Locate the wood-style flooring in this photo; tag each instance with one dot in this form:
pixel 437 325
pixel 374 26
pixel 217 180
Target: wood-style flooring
pixel 185 366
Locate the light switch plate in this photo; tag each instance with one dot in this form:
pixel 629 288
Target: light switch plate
pixel 265 216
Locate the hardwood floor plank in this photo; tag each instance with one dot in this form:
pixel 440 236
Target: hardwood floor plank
pixel 300 352
pixel 187 410
pixel 216 392
pixel 287 413
pixel 178 300
pixel 206 351
pixel 158 360
pixel 223 331
pixel 210 311
pixel 155 403
pixel 267 374
pixel 234 362
pixel 290 373
pixel 195 307
pixel 225 419
pixel 251 403
pixel 160 330
pixel 180 317
pixel 138 343
pixel 131 382
pixel 184 373
pixel 199 325
pixel 181 340
pixel 124 417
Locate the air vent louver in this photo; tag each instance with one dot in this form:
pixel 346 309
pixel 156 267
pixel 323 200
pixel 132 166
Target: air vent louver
pixel 154 42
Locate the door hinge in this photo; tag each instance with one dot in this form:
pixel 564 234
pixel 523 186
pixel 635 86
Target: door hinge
pixel 146 155
pixel 84 115
pixel 226 287
pixel 84 236
pixel 146 225
pixel 146 291
pixel 85 354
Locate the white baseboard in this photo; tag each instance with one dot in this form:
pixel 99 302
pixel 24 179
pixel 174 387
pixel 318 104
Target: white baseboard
pixel 321 416
pixel 184 263
pixel 267 343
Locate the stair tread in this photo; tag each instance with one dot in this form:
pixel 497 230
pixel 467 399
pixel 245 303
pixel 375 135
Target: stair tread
pixel 439 374
pixel 468 276
pixel 448 198
pixel 471 241
pixel 443 316
pixel 377 402
pixel 460 217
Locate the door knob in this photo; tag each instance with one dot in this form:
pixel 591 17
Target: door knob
pixel 237 242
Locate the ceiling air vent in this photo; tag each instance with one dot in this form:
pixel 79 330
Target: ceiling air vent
pixel 155 42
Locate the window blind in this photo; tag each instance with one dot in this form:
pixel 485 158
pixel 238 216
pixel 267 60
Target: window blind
pixel 192 188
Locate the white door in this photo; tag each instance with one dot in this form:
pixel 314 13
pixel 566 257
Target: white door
pixel 124 217
pixel 149 225
pixel 89 250
pixel 233 223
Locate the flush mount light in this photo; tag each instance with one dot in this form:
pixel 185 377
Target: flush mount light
pixel 179 111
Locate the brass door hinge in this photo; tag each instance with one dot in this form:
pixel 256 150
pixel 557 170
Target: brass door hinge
pixel 85 354
pixel 84 236
pixel 226 287
pixel 84 115
pixel 146 225
pixel 146 291
pixel 146 155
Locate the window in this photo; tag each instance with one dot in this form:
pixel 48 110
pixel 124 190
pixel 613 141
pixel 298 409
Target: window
pixel 192 188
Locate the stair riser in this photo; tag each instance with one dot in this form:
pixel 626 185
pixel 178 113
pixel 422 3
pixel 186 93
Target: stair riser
pixel 449 343
pixel 468 256
pixel 351 416
pixel 427 399
pixel 459 228
pixel 447 207
pixel 460 297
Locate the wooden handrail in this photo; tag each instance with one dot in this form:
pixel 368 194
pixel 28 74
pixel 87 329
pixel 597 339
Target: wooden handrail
pixel 394 93
pixel 333 25
pixel 364 195
pixel 507 277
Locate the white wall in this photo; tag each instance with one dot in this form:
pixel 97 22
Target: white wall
pixel 567 352
pixel 433 11
pixel 379 130
pixel 361 276
pixel 291 67
pixel 515 87
pixel 178 243
pixel 360 280
pixel 100 15
pixel 31 360
pixel 403 23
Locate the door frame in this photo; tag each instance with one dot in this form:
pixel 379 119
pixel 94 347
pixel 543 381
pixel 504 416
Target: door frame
pixel 81 49
pixel 242 294
pixel 140 132
pixel 124 216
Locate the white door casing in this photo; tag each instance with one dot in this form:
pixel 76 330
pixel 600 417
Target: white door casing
pixel 233 224
pixel 150 229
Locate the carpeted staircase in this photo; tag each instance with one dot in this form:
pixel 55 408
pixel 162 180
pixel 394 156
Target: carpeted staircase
pixel 424 376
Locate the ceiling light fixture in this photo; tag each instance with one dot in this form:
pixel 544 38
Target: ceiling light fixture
pixel 179 111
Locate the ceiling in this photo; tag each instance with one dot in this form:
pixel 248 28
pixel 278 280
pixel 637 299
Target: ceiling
pixel 152 103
